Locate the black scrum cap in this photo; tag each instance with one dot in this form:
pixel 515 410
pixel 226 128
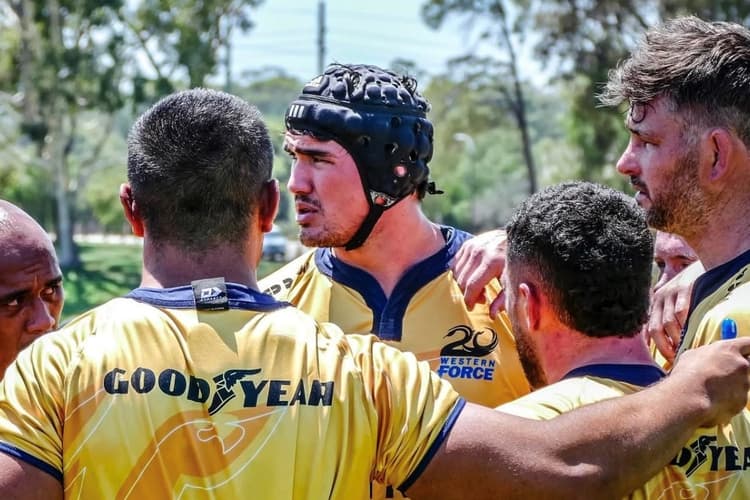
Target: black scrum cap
pixel 381 120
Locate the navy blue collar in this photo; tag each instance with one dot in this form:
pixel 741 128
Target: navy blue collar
pixel 388 312
pixel 712 280
pixel 181 297
pixel 636 374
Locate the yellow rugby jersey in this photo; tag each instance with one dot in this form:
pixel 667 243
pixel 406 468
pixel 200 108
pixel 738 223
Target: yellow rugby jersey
pixel 713 464
pixel 425 314
pixel 722 292
pixel 147 397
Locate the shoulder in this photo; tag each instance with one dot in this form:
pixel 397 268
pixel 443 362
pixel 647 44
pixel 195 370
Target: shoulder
pixel 563 396
pixel 734 306
pixel 79 328
pixel 53 357
pixel 279 282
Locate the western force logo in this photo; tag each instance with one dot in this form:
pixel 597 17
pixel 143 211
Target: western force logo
pixel 256 391
pixel 462 357
pixel 706 449
pixel 469 342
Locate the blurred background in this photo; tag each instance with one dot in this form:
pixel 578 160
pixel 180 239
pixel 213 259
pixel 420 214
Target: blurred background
pixel 512 85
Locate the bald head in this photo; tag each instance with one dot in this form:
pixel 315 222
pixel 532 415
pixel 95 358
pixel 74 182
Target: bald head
pixel 31 296
pixel 19 232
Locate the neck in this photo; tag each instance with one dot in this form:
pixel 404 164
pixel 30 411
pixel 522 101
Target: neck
pixel 168 265
pixel 724 238
pixel 402 237
pixel 565 351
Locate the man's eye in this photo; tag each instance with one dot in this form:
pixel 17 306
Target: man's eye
pixel 50 291
pixel 660 264
pixel 640 141
pixel 12 302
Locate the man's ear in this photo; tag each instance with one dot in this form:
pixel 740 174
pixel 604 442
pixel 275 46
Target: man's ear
pixel 530 303
pixel 269 204
pixel 131 209
pixel 721 146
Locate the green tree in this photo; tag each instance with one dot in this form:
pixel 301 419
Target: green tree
pixel 271 90
pixel 498 79
pixel 478 159
pixel 183 39
pixel 586 39
pixel 76 62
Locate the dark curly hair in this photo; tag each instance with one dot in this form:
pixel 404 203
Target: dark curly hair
pixel 589 248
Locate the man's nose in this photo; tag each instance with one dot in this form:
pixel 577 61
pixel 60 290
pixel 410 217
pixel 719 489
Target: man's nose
pixel 628 164
pixel 41 320
pixel 299 180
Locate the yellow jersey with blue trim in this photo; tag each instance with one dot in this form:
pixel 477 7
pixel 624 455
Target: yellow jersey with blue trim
pixel 148 396
pixel 713 464
pixel 425 314
pixel 721 292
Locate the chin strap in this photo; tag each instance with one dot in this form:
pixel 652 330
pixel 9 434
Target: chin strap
pixel 366 227
pixel 379 202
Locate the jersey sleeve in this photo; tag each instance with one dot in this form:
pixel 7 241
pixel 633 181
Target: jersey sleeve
pixel 553 400
pixel 709 329
pixel 280 281
pixel 31 405
pixel 415 409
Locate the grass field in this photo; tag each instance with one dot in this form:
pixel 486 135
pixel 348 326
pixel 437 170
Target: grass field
pixel 110 271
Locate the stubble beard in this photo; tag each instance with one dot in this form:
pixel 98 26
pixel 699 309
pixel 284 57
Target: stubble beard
pixel 532 368
pixel 682 208
pixel 324 237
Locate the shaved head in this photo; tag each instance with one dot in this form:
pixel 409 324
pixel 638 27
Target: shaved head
pixel 31 296
pixel 19 232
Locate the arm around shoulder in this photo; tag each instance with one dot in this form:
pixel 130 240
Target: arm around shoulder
pixel 605 449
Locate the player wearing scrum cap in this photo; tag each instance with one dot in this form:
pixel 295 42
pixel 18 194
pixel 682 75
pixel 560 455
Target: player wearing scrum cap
pixel 360 143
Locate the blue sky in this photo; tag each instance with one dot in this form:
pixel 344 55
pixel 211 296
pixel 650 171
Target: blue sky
pixel 373 32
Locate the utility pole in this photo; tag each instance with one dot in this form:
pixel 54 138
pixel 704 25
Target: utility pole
pixel 228 59
pixel 321 35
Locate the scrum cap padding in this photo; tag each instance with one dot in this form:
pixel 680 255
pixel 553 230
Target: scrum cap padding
pixel 378 117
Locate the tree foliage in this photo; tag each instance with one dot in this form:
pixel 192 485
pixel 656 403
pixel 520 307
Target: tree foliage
pixel 583 40
pixel 76 62
pixel 491 75
pixel 477 154
pixel 73 74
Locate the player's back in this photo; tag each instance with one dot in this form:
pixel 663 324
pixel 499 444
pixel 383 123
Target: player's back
pixel 153 399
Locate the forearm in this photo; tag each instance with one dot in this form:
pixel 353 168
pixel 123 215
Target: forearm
pixel 603 450
pixel 619 444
